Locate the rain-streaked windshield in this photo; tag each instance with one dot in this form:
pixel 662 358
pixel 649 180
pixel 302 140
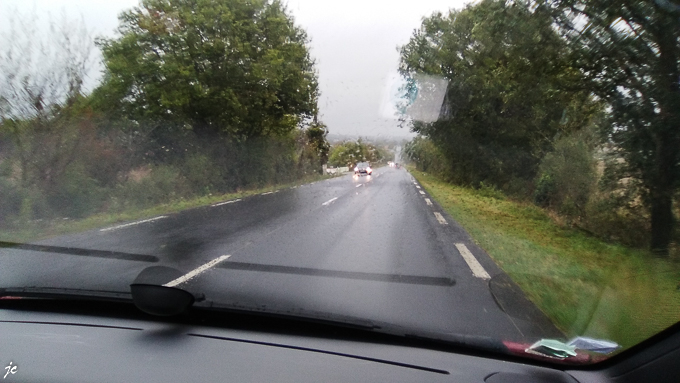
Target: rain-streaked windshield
pixel 524 162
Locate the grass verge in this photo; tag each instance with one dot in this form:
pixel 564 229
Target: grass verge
pixel 584 285
pixel 36 230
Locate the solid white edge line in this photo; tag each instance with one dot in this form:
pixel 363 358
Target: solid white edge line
pixel 133 223
pixel 428 202
pixel 267 193
pixel 329 201
pixel 476 268
pixel 226 202
pixel 440 218
pixel 196 271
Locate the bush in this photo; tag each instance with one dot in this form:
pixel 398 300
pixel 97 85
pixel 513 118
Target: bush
pixel 567 176
pixel 428 158
pixel 614 219
pixel 163 184
pixel 568 184
pixel 76 194
pixel 490 191
pixel 201 174
pixel 545 191
pixel 10 202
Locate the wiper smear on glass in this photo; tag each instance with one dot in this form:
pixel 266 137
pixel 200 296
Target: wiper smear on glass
pixel 80 252
pixel 357 275
pixel 61 293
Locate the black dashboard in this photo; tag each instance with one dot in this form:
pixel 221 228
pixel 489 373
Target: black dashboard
pixel 67 342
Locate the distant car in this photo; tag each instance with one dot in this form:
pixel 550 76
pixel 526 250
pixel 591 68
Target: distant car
pixel 363 168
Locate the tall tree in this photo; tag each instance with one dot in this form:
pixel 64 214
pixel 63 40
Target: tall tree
pixel 235 67
pixel 511 88
pixel 41 80
pixel 630 51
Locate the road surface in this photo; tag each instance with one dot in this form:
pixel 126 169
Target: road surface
pixel 377 248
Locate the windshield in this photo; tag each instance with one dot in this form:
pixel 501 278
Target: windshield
pixel 525 162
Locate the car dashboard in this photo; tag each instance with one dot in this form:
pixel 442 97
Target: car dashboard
pixel 93 342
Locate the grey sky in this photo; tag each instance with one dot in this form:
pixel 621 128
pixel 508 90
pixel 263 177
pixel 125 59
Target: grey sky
pixel 353 41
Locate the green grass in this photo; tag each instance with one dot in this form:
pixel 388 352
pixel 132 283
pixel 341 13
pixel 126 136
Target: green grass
pixel 584 285
pixel 35 230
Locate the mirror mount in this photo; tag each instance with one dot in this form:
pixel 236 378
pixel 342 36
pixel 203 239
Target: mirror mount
pixel 151 296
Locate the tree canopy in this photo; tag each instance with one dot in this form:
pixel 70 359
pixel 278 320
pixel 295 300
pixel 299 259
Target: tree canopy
pixel 350 153
pixel 630 53
pixel 235 67
pixel 511 88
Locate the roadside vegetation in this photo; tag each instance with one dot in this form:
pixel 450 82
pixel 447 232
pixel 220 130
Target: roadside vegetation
pixel 572 105
pixel 586 286
pixel 557 147
pixel 349 153
pixel 44 228
pixel 180 114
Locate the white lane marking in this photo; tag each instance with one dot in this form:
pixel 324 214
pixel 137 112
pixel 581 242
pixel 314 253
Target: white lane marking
pixel 477 269
pixel 418 186
pixel 329 201
pixel 421 192
pixel 226 202
pixel 196 271
pixel 267 193
pixel 359 185
pixel 440 218
pixel 428 202
pixel 133 223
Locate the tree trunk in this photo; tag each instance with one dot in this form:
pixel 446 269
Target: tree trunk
pixel 667 140
pixel 662 223
pixel 661 191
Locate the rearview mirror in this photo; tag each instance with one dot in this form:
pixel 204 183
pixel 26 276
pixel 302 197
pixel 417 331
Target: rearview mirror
pixel 151 296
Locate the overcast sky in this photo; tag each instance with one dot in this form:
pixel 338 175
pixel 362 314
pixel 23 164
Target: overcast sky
pixel 354 43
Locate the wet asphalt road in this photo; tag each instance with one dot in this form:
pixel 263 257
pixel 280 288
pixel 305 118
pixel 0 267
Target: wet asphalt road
pixel 366 247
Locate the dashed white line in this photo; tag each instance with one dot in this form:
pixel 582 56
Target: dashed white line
pixel 226 202
pixel 358 185
pixel 267 193
pixel 421 192
pixel 133 223
pixel 477 269
pixel 196 271
pixel 428 202
pixel 440 218
pixel 329 201
pixel 418 186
